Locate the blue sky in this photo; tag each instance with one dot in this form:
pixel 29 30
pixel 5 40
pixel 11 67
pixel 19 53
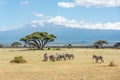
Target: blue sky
pixel 88 14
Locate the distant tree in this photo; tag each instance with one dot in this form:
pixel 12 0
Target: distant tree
pixel 65 46
pixel 100 43
pixel 117 45
pixel 69 46
pixel 16 44
pixel 96 46
pixel 38 39
pixel 1 45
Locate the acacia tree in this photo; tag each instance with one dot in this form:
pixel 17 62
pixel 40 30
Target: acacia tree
pixel 100 43
pixel 1 45
pixel 15 44
pixel 117 45
pixel 69 46
pixel 38 39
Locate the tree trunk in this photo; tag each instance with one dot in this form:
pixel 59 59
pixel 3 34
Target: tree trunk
pixel 40 48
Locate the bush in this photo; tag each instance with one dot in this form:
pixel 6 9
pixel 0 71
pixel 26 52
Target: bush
pixel 58 49
pixel 112 64
pixel 49 49
pixel 1 45
pixel 18 59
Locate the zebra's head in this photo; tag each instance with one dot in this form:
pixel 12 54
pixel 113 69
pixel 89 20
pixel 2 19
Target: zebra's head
pixel 94 56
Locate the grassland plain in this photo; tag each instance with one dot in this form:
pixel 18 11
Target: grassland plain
pixel 83 67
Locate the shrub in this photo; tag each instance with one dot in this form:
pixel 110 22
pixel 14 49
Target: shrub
pixel 18 59
pixel 112 64
pixel 1 45
pixel 49 48
pixel 58 49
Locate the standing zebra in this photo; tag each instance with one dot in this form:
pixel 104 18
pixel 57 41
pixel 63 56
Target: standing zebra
pixel 45 57
pixel 98 58
pixel 69 56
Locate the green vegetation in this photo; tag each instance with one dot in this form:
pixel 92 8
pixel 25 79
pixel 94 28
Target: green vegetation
pixel 57 49
pixel 1 45
pixel 112 64
pixel 100 43
pixel 18 59
pixel 68 46
pixel 16 44
pixel 117 45
pixel 38 39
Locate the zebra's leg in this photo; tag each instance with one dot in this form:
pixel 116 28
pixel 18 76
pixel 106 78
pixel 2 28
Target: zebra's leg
pixel 97 61
pixel 102 60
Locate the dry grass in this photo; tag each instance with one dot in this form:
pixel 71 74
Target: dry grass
pixel 83 67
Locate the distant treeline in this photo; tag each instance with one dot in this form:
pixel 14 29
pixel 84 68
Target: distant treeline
pixel 78 46
pixel 58 46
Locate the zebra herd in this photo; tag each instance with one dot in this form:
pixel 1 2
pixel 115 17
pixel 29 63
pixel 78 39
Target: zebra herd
pixel 67 56
pixel 58 57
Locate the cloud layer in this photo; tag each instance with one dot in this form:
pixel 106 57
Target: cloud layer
pixel 8 28
pixel 90 3
pixel 59 20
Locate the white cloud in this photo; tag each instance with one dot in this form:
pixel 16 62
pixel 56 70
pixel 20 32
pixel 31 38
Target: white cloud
pixel 4 28
pixel 24 2
pixel 38 14
pixel 39 22
pixel 7 28
pixel 89 3
pixel 59 20
pixel 66 4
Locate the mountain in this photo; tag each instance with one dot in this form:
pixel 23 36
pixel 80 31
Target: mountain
pixel 64 34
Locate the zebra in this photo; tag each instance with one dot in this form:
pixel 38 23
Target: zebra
pixel 69 56
pixel 45 56
pixel 98 58
pixel 62 57
pixel 54 57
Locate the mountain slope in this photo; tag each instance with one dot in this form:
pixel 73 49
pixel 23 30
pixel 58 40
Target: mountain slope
pixel 64 34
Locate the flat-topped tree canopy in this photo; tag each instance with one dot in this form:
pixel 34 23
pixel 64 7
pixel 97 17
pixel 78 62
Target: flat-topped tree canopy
pixel 117 45
pixel 38 39
pixel 100 43
pixel 15 44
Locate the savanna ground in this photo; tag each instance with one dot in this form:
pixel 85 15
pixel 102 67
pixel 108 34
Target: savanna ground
pixel 83 67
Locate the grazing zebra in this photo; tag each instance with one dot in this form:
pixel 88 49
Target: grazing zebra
pixel 98 58
pixel 45 57
pixel 69 56
pixel 72 56
pixel 57 56
pixel 53 58
pixel 62 57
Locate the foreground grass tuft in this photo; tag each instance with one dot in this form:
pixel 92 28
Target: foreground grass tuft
pixel 112 64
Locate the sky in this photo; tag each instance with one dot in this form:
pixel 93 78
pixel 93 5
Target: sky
pixel 87 14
